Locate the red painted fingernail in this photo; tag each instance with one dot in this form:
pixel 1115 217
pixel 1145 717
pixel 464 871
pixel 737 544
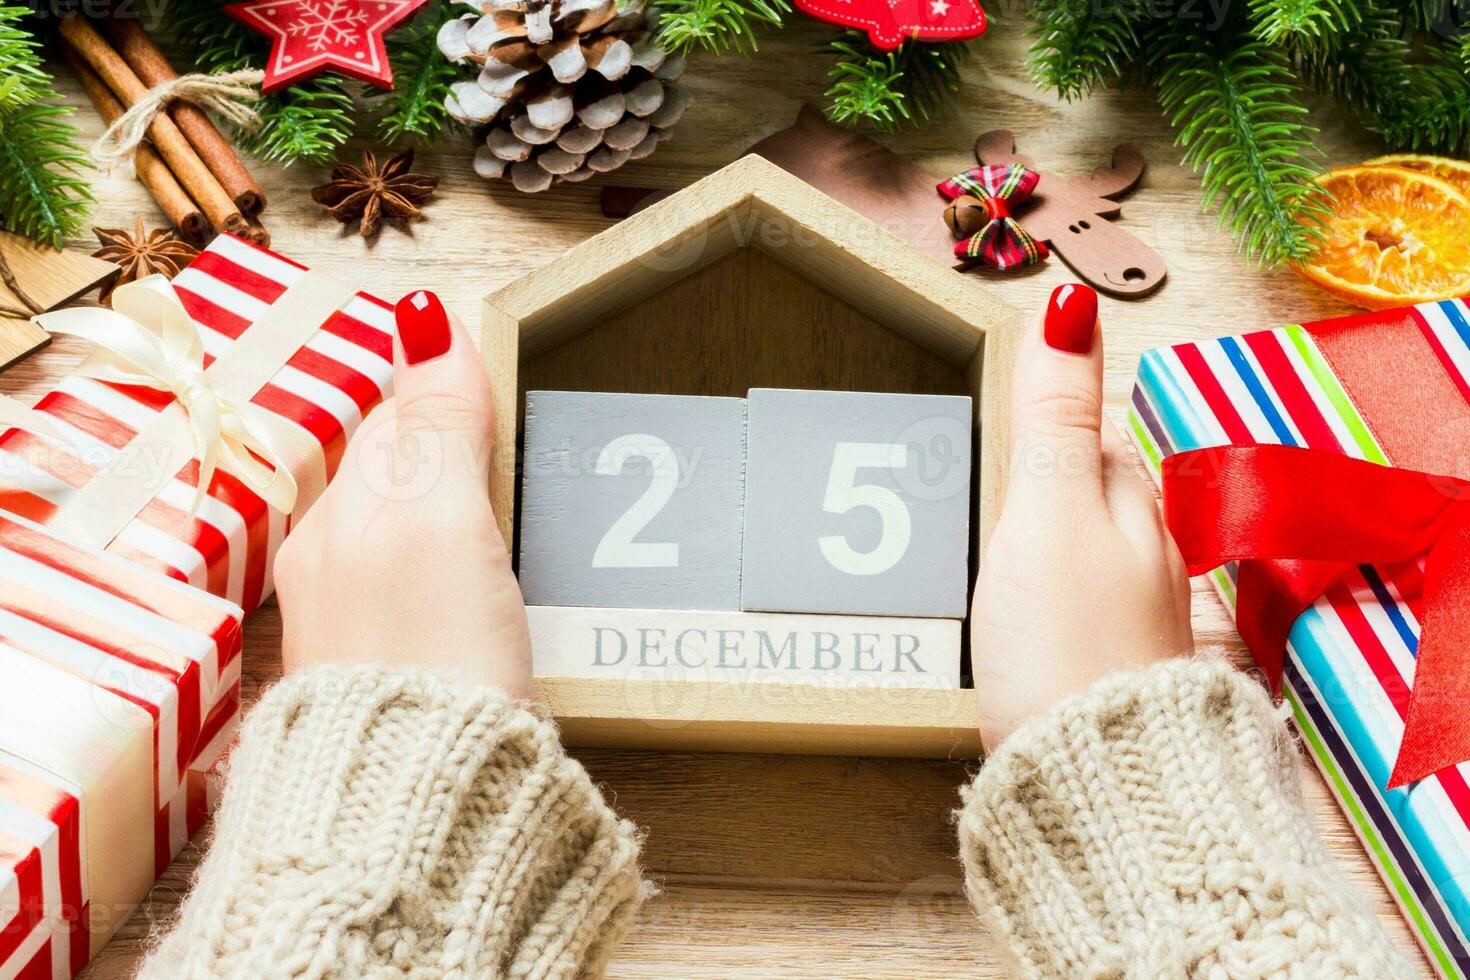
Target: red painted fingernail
pixel 1071 318
pixel 423 326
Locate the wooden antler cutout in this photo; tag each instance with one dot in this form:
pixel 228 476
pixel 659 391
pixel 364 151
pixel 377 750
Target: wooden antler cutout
pixel 1064 213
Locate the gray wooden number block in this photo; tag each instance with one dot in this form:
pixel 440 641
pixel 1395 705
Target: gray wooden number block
pixel 857 503
pixel 632 501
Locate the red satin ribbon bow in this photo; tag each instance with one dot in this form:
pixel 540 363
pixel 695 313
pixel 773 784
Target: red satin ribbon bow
pixel 1001 242
pixel 1297 520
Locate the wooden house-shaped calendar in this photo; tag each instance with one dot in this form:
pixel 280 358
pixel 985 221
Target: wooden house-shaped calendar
pixel 751 278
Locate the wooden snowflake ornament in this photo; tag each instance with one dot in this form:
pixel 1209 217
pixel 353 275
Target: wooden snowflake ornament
pixel 312 36
pixel 891 22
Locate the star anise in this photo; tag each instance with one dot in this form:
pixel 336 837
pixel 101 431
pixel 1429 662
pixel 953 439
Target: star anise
pixel 141 254
pixel 370 194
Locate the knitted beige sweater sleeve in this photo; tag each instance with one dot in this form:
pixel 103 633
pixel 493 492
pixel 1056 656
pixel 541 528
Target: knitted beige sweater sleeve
pixel 395 824
pixel 1153 827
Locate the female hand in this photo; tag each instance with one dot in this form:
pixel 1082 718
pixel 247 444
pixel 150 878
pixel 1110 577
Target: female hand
pixel 401 562
pixel 1080 578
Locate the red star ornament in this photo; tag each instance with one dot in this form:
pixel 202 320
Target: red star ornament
pixel 312 36
pixel 891 22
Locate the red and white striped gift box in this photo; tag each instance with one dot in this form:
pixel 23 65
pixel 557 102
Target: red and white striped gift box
pixel 43 893
pixel 326 387
pixel 121 690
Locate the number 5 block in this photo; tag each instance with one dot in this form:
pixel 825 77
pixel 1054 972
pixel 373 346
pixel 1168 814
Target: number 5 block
pixel 856 503
pixel 632 501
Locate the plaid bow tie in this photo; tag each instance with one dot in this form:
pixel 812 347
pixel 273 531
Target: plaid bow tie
pixel 1001 242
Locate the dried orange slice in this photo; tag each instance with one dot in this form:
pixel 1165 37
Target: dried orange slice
pixel 1395 237
pixel 1457 172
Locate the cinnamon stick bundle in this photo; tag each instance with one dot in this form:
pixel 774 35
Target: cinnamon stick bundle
pixel 188 169
pixel 153 68
pixel 152 171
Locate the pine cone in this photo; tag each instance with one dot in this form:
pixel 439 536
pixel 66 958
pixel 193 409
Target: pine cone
pixel 569 88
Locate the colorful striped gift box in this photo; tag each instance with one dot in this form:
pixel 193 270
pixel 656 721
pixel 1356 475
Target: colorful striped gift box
pixel 326 388
pixel 1350 657
pixel 121 690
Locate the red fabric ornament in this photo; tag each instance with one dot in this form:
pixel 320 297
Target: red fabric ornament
pixel 891 22
pixel 312 36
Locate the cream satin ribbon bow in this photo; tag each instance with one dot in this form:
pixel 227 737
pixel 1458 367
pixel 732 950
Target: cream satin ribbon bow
pixel 151 341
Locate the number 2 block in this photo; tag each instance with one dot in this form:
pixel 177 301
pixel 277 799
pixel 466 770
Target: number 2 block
pixel 856 503
pixel 632 501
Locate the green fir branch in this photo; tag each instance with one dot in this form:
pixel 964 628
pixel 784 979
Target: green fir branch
pixel 307 122
pixel 865 87
pixel 1303 22
pixel 1435 115
pixel 1080 45
pixel 22 78
pixel 1231 90
pixel 43 191
pixel 44 194
pixel 1429 16
pixel 13 91
pixel 1369 70
pixel 1242 129
pixel 887 89
pixel 414 107
pixel 1415 99
pixel 716 25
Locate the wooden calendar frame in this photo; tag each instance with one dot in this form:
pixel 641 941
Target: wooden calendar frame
pixel 750 277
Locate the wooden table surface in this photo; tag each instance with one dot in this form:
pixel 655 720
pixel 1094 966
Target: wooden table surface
pixel 783 866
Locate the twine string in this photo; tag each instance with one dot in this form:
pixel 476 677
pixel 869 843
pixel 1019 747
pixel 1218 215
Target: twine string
pixel 227 94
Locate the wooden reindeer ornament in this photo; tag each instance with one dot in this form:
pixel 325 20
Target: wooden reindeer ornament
pixel 1065 214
